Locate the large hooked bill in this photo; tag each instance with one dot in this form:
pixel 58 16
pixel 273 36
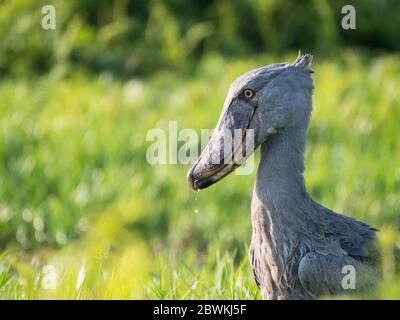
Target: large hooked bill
pixel 230 145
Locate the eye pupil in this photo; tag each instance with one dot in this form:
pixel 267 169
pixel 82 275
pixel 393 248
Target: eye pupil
pixel 248 93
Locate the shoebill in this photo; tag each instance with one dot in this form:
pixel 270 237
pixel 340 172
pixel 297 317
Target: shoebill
pixel 299 249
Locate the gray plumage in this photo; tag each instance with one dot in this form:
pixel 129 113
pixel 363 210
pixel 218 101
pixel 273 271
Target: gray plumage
pixel 299 248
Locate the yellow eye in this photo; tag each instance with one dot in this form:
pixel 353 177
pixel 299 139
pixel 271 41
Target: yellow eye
pixel 248 93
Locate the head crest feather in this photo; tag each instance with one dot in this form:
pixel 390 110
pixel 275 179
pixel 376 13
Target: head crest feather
pixel 304 61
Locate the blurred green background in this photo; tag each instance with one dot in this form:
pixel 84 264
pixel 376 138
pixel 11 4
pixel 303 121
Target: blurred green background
pixel 76 103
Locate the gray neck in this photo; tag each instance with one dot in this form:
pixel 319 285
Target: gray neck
pixel 280 172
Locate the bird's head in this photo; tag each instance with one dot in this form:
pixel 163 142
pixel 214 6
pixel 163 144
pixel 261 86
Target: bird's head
pixel 262 103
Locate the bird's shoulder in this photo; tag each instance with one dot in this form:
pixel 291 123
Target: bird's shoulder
pixel 356 238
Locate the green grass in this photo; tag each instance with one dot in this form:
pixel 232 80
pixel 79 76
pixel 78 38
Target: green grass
pixel 77 194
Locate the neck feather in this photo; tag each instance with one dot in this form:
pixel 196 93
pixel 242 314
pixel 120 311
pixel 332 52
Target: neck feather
pixel 280 173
